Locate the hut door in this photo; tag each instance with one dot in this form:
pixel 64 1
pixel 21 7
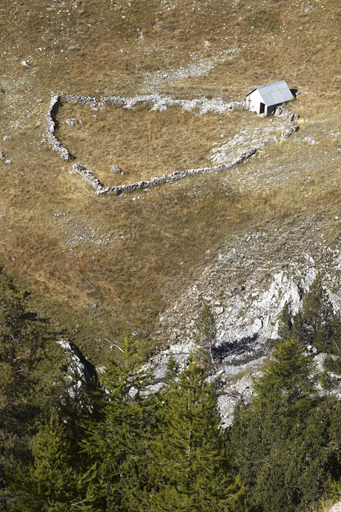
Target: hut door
pixel 262 108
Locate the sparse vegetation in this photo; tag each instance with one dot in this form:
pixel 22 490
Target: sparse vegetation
pixel 133 256
pixel 142 142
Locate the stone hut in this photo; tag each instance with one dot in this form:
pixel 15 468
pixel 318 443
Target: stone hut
pixel 265 99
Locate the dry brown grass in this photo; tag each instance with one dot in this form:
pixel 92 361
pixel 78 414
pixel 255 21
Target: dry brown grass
pixel 134 255
pixel 142 142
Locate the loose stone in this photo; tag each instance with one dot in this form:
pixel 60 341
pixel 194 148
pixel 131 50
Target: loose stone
pixel 115 168
pixel 71 122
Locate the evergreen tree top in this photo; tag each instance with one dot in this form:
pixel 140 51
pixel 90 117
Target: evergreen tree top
pixel 289 373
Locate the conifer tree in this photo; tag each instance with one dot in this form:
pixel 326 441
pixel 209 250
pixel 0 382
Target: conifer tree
pixel 30 371
pixel 285 323
pixel 51 484
pixel 190 460
pixel 333 364
pixel 281 440
pixel 335 440
pixel 205 335
pixel 318 324
pixel 172 370
pixel 120 443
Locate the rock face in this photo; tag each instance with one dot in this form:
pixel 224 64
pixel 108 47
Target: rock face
pixel 242 344
pixel 80 370
pixel 253 278
pixel 336 507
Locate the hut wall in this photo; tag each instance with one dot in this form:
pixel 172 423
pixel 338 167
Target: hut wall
pixel 253 102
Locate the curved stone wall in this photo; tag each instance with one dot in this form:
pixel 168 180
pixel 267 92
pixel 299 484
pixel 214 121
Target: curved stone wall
pixel 158 102
pixel 51 126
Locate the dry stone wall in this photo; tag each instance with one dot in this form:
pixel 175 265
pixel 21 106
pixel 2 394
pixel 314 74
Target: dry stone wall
pixel 177 175
pixel 204 105
pixel 51 127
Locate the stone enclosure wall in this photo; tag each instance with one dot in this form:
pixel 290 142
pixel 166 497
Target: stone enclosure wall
pixel 158 103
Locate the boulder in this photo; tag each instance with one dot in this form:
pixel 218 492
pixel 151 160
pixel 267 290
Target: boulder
pixel 115 169
pixel 80 371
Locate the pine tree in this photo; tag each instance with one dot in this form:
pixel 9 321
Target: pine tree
pixel 205 336
pixel 281 440
pixel 289 376
pixel 30 370
pixel 190 459
pixel 35 379
pixel 285 323
pixel 172 370
pixel 21 350
pixel 335 439
pixel 51 484
pixel 317 324
pixel 333 364
pixel 120 443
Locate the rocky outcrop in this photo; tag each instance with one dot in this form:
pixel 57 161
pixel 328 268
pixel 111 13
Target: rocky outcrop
pixel 336 507
pixel 246 287
pixel 81 372
pixel 239 350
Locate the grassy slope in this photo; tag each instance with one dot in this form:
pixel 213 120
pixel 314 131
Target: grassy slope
pixel 133 255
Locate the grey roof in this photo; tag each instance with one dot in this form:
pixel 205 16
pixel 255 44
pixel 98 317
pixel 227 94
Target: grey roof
pixel 274 94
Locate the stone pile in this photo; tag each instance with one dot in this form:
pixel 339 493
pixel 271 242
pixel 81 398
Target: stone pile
pixel 292 128
pixel 88 176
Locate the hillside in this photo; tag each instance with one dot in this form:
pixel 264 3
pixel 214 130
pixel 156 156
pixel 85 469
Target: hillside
pixel 101 266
